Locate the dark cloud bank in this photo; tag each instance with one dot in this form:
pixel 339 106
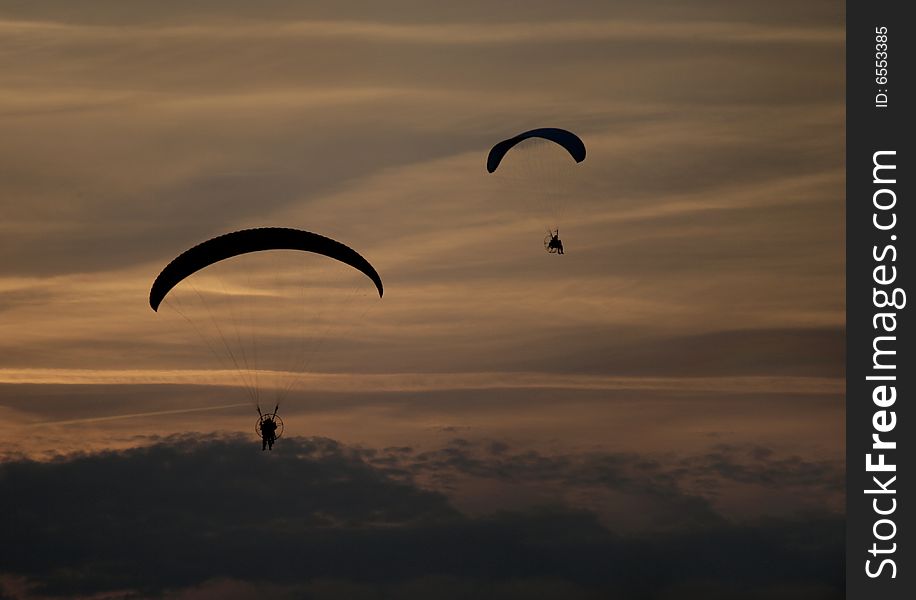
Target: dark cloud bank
pixel 216 518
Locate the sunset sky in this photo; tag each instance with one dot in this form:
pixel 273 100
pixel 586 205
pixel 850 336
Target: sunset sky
pixel 657 414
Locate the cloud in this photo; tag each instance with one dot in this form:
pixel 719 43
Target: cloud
pixel 444 33
pixel 421 382
pixel 674 492
pixel 198 514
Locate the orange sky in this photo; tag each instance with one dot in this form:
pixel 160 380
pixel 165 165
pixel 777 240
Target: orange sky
pixel 702 296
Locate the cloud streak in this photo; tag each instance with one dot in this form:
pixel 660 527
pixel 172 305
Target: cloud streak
pixel 477 33
pixel 418 382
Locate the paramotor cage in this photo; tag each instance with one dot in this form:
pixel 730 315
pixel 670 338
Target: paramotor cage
pixel 276 419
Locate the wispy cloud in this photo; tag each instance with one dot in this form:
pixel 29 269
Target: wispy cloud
pixel 416 382
pixel 472 33
pixel 158 413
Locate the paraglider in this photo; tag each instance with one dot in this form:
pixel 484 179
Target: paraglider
pixel 552 243
pixel 534 166
pixel 269 427
pixel 262 310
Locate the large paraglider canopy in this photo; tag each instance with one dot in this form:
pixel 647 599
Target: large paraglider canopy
pixel 255 240
pixel 567 139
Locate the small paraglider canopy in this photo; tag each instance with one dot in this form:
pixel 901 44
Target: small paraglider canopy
pixel 567 139
pixel 255 240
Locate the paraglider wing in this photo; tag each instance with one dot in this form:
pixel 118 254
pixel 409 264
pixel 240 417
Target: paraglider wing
pixel 255 240
pixel 568 140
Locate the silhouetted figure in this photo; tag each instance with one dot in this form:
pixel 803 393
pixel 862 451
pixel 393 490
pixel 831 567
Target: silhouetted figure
pixel 267 426
pixel 555 246
pixel 268 433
